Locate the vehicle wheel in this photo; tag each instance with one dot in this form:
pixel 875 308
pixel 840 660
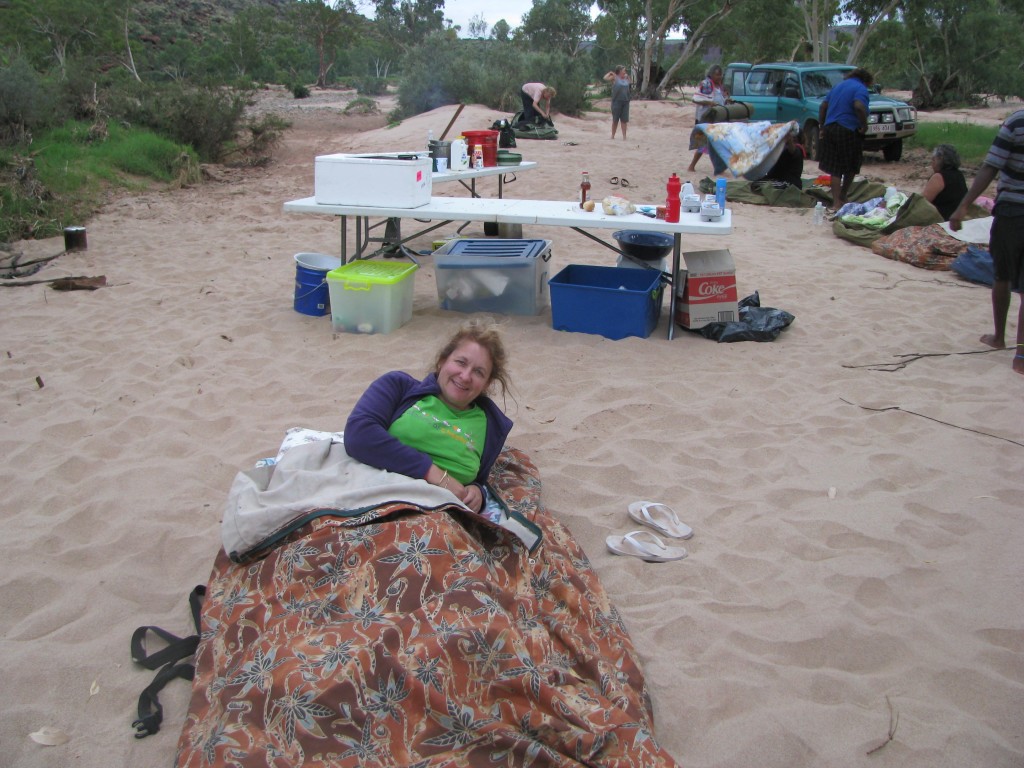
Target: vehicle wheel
pixel 812 142
pixel 893 152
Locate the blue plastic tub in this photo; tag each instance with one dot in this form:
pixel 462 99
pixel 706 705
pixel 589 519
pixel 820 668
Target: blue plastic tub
pixel 614 302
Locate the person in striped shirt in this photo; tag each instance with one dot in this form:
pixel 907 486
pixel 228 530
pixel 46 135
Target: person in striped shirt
pixel 1005 161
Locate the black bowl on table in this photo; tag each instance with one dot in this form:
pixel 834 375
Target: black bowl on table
pixel 646 246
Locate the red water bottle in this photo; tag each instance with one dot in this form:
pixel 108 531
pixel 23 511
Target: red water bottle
pixel 672 202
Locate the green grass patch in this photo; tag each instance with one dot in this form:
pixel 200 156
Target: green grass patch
pixel 971 141
pixel 64 176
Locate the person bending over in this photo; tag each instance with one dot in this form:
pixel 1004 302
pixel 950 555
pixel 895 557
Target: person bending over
pixel 790 165
pixel 946 186
pixel 537 103
pixel 443 428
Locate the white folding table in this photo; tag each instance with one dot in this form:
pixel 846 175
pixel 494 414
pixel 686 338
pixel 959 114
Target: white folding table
pixel 392 232
pixel 549 213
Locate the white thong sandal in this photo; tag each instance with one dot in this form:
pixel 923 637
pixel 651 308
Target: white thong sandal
pixel 653 550
pixel 661 518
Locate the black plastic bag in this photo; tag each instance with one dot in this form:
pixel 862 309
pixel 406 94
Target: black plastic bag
pixel 975 264
pixel 756 323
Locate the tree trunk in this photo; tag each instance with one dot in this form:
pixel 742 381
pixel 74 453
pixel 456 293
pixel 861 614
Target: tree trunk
pixel 865 30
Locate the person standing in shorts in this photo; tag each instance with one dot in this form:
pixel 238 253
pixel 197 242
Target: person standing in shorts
pixel 620 98
pixel 1005 160
pixel 843 116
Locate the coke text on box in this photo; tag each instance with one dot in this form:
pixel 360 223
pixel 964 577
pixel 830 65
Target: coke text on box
pixel 706 289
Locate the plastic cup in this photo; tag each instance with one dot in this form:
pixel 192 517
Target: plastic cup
pixel 442 165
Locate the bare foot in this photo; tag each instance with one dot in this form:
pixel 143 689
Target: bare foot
pixel 992 341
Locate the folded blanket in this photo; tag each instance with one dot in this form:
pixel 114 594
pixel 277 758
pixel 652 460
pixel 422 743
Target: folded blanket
pixel 313 476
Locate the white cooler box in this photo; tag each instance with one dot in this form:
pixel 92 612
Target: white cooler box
pixel 390 180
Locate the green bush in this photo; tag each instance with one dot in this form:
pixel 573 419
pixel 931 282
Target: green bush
pixel 71 168
pixel 300 91
pixel 26 101
pixel 370 86
pixel 486 72
pixel 361 105
pixel 205 118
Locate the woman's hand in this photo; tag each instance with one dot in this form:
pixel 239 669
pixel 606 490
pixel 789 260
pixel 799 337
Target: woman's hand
pixel 468 494
pixel 472 497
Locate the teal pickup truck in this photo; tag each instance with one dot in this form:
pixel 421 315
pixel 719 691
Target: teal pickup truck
pixel 793 90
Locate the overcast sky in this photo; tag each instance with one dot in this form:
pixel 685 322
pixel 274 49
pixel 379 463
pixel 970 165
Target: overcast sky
pixel 461 11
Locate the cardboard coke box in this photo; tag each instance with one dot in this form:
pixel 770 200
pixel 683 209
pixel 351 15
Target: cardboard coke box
pixel 706 289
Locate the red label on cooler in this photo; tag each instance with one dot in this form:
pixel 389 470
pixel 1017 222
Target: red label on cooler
pixel 419 175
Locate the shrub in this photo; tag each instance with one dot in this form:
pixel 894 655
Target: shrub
pixel 257 141
pixel 205 118
pixel 362 105
pixel 26 101
pixel 486 72
pixel 370 86
pixel 300 91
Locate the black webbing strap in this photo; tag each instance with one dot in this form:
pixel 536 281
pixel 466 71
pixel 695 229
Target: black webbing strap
pixel 166 660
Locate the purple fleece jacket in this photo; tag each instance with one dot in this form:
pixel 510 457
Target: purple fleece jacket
pixel 366 431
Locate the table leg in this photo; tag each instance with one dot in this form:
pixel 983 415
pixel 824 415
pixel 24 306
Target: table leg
pixel 677 241
pixel 344 238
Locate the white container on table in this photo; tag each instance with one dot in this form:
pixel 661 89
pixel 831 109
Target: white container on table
pixel 394 180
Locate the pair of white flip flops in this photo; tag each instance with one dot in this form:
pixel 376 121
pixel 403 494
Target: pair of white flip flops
pixel 647 545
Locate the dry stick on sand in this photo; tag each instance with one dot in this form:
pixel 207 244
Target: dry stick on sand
pixel 913 357
pixel 930 418
pixel 77 283
pixel 894 721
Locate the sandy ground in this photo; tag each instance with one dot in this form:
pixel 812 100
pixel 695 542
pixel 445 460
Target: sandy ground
pixel 858 528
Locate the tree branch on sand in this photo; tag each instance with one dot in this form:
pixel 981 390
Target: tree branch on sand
pixel 894 722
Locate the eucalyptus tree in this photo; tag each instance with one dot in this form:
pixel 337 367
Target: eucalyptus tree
pixel 762 30
pixel 52 32
pixel 407 23
pixel 501 31
pixel 329 26
pixel 477 27
pixel 556 25
pixel 959 49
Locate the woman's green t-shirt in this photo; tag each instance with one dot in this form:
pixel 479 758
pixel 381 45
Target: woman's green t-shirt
pixel 454 439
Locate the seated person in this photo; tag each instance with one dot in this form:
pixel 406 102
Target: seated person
pixel 790 165
pixel 443 429
pixel 946 186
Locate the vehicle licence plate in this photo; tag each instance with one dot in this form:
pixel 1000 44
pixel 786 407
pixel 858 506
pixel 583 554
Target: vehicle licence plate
pixel 882 128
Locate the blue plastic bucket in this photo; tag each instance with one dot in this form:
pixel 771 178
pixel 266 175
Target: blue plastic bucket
pixel 312 296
